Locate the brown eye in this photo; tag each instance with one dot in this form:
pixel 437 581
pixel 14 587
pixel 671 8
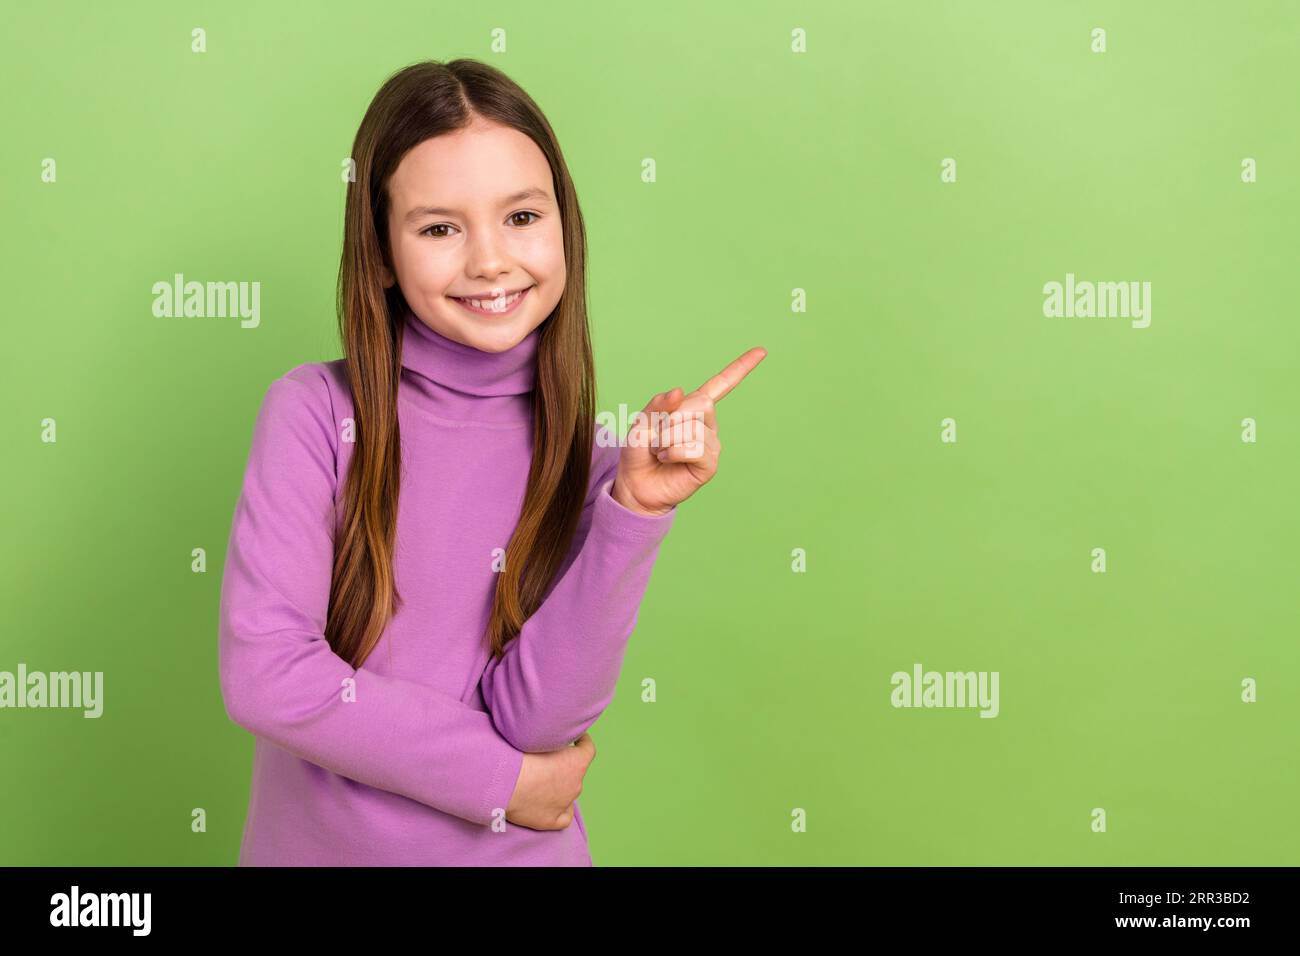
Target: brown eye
pixel 436 225
pixel 526 213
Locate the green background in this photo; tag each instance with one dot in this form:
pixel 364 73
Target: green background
pixel 776 171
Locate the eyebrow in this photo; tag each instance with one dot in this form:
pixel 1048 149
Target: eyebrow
pixel 533 192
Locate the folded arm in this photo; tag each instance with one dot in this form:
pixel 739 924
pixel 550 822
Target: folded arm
pixel 281 680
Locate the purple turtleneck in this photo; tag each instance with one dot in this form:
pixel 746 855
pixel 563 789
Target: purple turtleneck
pixel 412 758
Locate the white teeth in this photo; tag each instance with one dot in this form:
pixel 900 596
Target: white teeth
pixel 494 305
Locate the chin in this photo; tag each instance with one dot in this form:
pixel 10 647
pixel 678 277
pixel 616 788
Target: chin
pixel 491 338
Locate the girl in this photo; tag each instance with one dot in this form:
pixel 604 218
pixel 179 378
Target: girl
pixel 436 559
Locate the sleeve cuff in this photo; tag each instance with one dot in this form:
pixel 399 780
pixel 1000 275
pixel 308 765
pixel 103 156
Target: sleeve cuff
pixel 621 520
pixel 504 780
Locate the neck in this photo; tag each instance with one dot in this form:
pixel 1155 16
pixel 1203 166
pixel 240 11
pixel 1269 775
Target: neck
pixel 457 382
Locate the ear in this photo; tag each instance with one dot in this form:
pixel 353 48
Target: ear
pixel 386 277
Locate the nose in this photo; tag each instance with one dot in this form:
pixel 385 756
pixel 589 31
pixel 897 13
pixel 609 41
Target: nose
pixel 486 257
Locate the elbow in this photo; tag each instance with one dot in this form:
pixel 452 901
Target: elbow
pixel 237 708
pixel 521 734
pixel 535 733
pixel 535 721
pixel 519 721
pixel 240 696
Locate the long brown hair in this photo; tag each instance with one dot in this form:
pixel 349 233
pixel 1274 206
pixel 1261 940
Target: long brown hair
pixel 419 102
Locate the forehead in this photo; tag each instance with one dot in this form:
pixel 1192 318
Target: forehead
pixel 479 164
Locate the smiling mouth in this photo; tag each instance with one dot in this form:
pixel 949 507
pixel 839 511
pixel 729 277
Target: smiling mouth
pixel 500 305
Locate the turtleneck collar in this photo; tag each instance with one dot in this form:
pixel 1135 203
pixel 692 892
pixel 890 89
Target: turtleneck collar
pixel 457 382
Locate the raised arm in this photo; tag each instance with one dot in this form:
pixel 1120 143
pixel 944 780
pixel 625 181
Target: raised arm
pixel 279 677
pixel 558 675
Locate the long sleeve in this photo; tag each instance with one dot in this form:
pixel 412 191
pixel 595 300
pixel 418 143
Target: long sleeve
pixel 281 680
pixel 559 674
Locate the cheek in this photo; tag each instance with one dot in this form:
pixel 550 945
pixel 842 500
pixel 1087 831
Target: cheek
pixel 548 254
pixel 423 267
pixel 404 256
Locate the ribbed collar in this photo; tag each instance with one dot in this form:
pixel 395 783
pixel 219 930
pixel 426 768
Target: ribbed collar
pixel 454 381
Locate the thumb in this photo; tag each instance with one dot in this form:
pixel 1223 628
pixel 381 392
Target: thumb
pixel 665 401
pixel 662 404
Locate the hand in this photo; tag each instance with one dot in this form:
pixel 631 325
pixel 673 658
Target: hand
pixel 673 448
pixel 548 784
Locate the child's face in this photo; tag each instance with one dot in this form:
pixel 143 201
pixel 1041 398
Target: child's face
pixel 454 231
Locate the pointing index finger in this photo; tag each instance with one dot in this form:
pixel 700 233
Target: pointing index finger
pixel 731 376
